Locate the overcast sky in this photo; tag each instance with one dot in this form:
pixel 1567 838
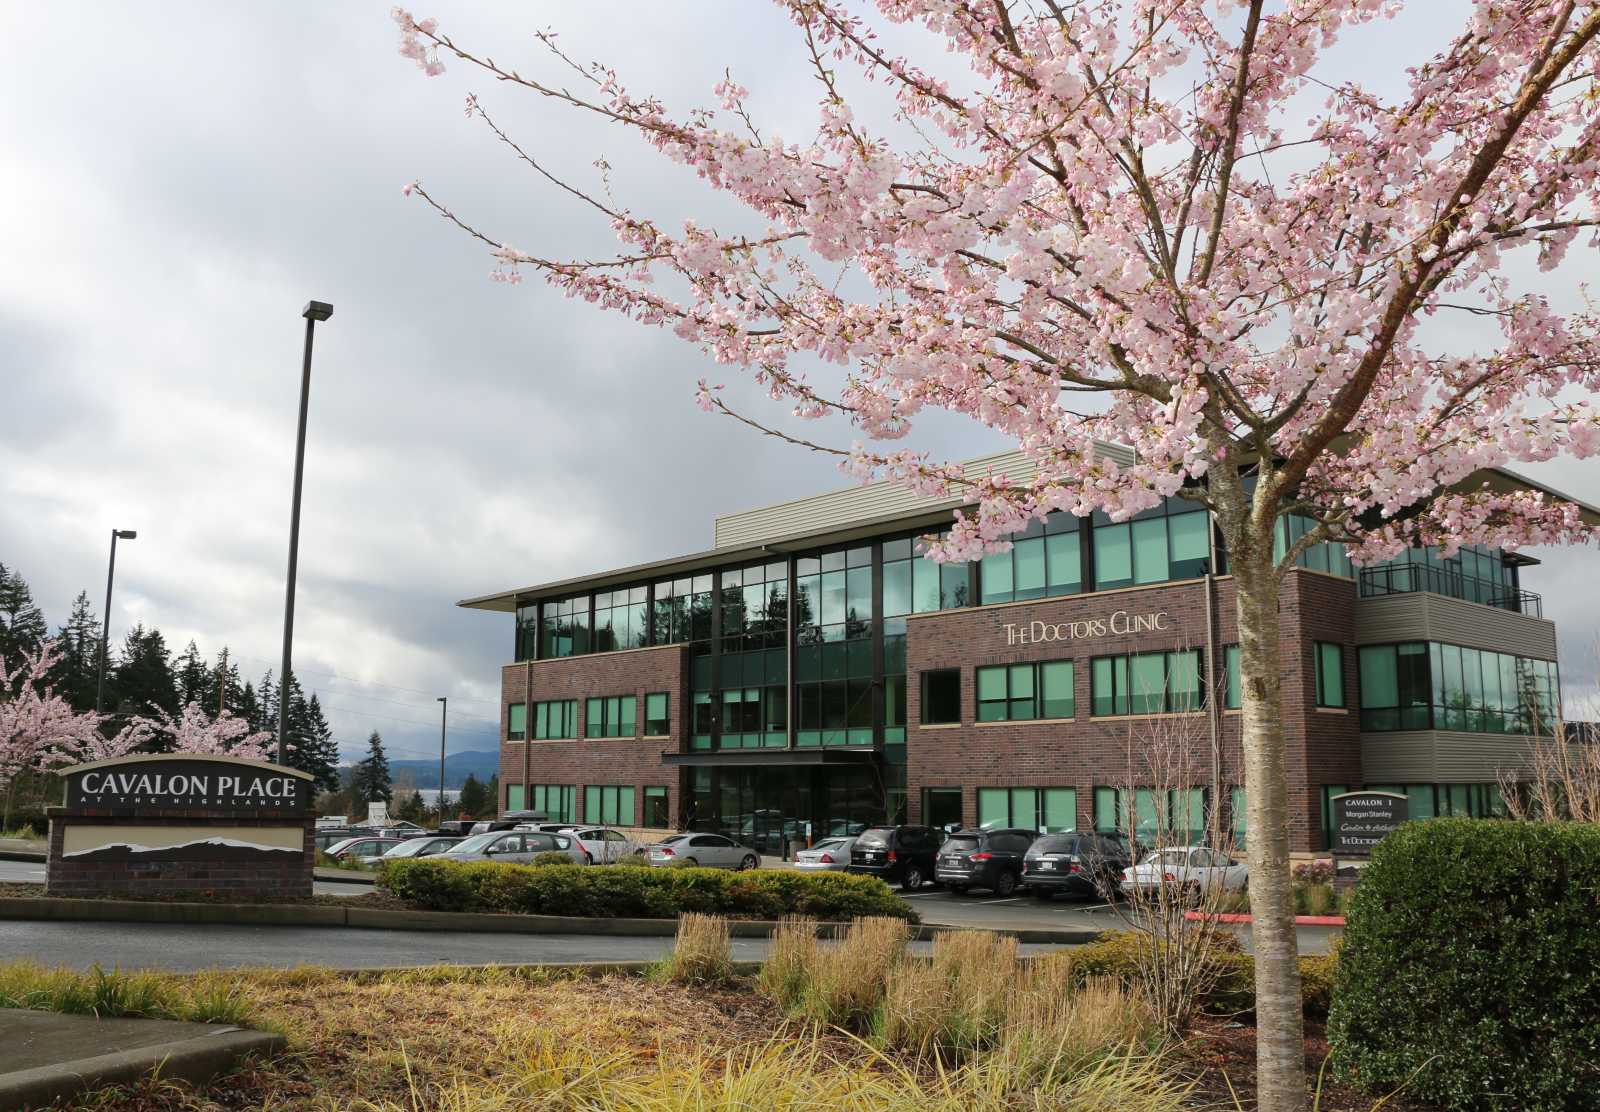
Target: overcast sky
pixel 178 180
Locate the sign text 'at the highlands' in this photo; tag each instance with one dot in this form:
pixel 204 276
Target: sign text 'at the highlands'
pixel 1120 622
pixel 1363 819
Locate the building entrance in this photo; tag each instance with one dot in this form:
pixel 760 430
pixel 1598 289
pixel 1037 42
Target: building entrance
pixel 786 806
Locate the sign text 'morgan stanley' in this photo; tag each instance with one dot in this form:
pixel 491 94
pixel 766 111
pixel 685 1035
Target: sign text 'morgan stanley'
pixel 1120 622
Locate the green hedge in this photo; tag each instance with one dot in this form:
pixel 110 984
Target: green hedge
pixel 1470 970
pixel 635 891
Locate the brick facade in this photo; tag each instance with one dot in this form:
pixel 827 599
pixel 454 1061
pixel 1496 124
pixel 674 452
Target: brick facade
pixel 276 876
pixel 586 761
pixel 1083 752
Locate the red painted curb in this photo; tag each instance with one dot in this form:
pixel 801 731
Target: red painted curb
pixel 1246 917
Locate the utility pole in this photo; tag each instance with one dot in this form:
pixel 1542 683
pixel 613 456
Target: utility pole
pixel 222 681
pixel 444 708
pixel 313 312
pixel 105 632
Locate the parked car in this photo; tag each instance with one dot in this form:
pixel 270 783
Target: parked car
pixel 604 845
pixel 1194 869
pixel 1075 864
pixel 458 827
pixel 831 855
pixel 519 847
pixel 332 835
pixel 366 845
pixel 902 855
pixel 508 821
pixel 710 850
pixel 989 859
pixel 425 846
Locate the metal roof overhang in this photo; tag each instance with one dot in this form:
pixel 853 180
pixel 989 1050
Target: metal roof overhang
pixel 760 758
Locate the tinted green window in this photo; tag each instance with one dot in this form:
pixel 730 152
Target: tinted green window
pixel 1055 683
pixel 994 807
pixel 1043 810
pixel 1183 680
pixel 1230 695
pixel 517 722
pixel 608 804
pixel 1022 692
pixel 1148 672
pixel 1113 557
pixel 1241 816
pixel 1108 685
pixel 555 718
pixel 1150 564
pixel 994 574
pixel 1060 810
pixel 514 797
pixel 1329 660
pixel 555 801
pixel 1146 683
pixel 1190 536
pixel 657 716
pixel 1064 563
pixel 992 697
pixel 614 716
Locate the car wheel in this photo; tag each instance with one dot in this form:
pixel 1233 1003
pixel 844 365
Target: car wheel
pixel 690 861
pixel 1005 883
pixel 749 861
pixel 913 878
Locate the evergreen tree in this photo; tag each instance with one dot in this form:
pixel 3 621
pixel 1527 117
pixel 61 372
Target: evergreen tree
pixel 22 626
pixel 193 678
pixel 474 798
pixel 317 752
pixel 412 808
pixel 231 697
pixel 297 721
pixel 144 679
pixel 76 675
pixel 267 695
pixel 371 781
pixel 491 803
pixel 250 706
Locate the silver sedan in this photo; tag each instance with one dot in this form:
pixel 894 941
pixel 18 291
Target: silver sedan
pixel 707 850
pixel 831 855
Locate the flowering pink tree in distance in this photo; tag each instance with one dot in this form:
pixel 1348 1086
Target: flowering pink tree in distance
pixel 1170 224
pixel 40 731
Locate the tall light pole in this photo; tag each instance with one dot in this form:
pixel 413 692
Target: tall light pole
pixel 313 312
pixel 105 632
pixel 444 709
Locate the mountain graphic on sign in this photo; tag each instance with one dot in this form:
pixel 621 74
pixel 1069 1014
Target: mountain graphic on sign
pixel 204 849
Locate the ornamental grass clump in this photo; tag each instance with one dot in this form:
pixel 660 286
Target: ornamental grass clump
pixel 792 956
pixel 849 977
pixel 956 1004
pixel 702 953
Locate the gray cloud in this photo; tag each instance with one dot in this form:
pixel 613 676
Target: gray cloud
pixel 180 180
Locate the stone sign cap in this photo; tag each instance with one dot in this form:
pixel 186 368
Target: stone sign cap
pixel 187 782
pixel 1363 819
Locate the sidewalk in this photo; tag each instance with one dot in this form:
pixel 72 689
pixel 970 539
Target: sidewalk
pixel 47 1056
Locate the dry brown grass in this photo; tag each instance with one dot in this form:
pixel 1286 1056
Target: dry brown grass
pixel 849 977
pixel 702 953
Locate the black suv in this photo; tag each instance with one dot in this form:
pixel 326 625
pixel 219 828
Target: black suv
pixel 900 855
pixel 1078 864
pixel 989 859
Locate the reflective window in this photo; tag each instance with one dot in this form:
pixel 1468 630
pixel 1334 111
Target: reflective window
pixel 834 610
pixel 554 800
pixel 517 722
pixel 657 716
pixel 564 630
pixel 754 669
pixel 1146 683
pixel 1156 817
pixel 615 716
pixel 1044 560
pixel 1328 660
pixel 1429 685
pixel 555 718
pixel 620 619
pixel 1044 810
pixel 1230 684
pixel 1331 558
pixel 655 808
pixel 1019 692
pixel 1171 541
pixel 610 804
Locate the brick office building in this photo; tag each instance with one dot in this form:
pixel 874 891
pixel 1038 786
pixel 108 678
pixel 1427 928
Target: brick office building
pixel 811 671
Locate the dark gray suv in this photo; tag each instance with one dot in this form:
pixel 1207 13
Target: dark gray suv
pixel 1076 864
pixel 989 859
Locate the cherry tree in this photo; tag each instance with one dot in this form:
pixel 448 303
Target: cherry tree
pixel 196 732
pixel 1174 225
pixel 39 729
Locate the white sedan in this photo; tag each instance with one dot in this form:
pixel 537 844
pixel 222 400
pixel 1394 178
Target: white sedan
pixel 831 855
pixel 709 850
pixel 604 845
pixel 1191 869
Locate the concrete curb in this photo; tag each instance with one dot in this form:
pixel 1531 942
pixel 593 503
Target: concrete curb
pixel 22 855
pixel 343 876
pixel 54 909
pixel 1246 917
pixel 196 1060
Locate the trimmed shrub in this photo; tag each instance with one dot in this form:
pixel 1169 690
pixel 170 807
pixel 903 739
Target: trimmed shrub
pixel 552 857
pixel 1470 970
pixel 628 891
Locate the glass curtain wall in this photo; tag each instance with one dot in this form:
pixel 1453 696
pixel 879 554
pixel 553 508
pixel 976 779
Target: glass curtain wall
pixel 1045 560
pixel 752 665
pixel 1476 573
pixel 620 620
pixel 1171 541
pixel 1421 685
pixel 834 611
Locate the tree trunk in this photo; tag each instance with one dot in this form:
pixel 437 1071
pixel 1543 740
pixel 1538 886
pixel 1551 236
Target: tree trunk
pixel 1280 1032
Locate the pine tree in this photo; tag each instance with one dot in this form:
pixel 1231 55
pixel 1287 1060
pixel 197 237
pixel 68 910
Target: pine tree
pixel 144 679
pixel 491 793
pixel 267 695
pixel 22 626
pixel 193 678
pixel 371 782
pixel 297 721
pixel 76 675
pixel 318 753
pixel 412 808
pixel 250 706
pixel 474 797
pixel 231 696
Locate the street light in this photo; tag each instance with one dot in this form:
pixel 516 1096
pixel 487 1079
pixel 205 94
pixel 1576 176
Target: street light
pixel 105 632
pixel 313 312
pixel 444 708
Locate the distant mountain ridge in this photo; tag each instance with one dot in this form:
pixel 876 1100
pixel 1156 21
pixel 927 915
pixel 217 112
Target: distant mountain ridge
pixel 424 773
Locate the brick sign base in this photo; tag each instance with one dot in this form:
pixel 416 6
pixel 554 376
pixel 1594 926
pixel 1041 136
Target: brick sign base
pixel 166 826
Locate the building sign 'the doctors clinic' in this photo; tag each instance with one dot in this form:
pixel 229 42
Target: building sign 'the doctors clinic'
pixel 1120 623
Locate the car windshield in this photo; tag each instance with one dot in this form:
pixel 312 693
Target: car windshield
pixel 408 849
pixel 831 843
pixel 1167 857
pixel 674 840
pixel 475 843
pixel 877 836
pixel 960 843
pixel 1057 844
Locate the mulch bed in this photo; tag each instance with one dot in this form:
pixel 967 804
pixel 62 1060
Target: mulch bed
pixel 374 900
pixel 1224 1052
